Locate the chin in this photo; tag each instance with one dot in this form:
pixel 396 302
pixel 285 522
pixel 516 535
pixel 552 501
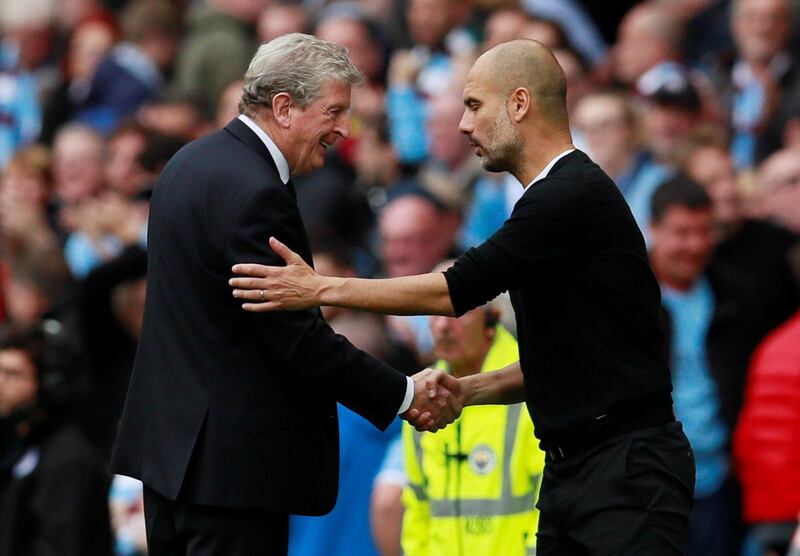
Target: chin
pixel 492 165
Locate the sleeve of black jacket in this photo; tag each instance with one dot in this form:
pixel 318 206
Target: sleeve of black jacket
pixel 302 340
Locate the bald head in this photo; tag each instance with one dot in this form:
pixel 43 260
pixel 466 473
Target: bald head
pixel 515 108
pixel 528 64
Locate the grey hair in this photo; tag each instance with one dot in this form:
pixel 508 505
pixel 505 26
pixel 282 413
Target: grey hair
pixel 297 64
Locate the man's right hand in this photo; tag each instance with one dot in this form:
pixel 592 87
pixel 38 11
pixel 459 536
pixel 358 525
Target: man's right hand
pixel 276 288
pixel 438 400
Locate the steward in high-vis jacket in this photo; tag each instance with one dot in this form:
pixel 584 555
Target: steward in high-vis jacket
pixel 472 487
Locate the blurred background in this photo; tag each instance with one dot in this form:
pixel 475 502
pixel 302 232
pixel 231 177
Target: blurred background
pixel 97 95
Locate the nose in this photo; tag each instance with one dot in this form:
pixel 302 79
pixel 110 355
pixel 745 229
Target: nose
pixel 465 126
pixel 342 127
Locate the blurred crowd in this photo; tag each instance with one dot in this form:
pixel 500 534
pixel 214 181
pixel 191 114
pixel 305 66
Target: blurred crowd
pixel 691 106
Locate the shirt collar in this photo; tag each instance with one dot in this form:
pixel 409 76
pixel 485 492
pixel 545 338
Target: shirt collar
pixel 546 169
pixel 277 155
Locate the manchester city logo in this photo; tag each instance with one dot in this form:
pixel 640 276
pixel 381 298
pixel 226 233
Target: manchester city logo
pixel 482 459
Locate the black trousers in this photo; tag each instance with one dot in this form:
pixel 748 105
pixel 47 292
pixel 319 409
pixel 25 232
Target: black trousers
pixel 630 495
pixel 175 528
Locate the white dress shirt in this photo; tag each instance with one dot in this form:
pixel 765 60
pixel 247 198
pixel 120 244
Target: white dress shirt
pixel 277 155
pixel 546 170
pixel 283 171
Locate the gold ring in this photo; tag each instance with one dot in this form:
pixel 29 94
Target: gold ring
pixel 261 293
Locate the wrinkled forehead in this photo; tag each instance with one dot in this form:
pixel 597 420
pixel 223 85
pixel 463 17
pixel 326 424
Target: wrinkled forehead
pixel 478 85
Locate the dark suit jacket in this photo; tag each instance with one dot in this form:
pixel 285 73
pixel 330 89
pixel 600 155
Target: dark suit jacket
pixel 228 408
pixel 57 502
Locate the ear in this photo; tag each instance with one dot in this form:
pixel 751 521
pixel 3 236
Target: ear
pixel 519 104
pixel 281 109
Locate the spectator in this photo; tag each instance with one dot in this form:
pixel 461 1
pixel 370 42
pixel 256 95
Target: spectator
pixel 365 47
pixel 451 172
pixel 375 161
pixel 71 13
pixel 87 45
pixel 778 194
pixel 707 28
pixel 386 506
pixel 228 107
pixel 649 42
pixel 281 18
pixel 742 240
pixel 472 487
pixel 416 234
pixel 52 487
pixel 571 17
pixel 111 305
pixel 108 223
pixel 671 113
pixel 28 37
pixel 711 331
pixel 423 71
pixel 25 188
pixel 504 25
pixel 124 172
pixel 216 50
pixel 38 286
pixel 766 441
pixel 134 71
pixel 758 77
pixel 331 205
pixel 20 113
pixel 608 123
pixel 175 116
pixel 546 32
pixel 578 79
pixel 78 154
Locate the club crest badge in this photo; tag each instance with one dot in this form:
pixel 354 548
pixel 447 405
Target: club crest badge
pixel 482 459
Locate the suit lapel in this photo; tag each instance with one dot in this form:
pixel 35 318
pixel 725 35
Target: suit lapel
pixel 245 135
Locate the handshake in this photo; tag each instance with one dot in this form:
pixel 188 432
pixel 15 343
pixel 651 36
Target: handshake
pixel 438 400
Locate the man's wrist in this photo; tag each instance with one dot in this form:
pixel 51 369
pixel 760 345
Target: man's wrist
pixel 468 389
pixel 327 289
pixel 408 399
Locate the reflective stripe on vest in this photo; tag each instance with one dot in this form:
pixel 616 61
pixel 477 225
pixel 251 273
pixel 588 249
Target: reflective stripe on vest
pixel 507 504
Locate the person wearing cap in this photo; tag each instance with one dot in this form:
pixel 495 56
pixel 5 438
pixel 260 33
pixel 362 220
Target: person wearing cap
pixel 619 471
pixel 672 112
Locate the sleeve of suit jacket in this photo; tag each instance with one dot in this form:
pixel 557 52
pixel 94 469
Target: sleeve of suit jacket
pixel 302 340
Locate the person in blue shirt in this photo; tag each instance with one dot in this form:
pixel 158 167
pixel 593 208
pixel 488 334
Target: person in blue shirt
pixel 711 329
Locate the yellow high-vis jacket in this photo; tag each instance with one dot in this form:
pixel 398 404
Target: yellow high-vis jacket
pixel 472 487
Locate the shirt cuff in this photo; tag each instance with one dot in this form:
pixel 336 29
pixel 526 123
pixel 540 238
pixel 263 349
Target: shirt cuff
pixel 409 396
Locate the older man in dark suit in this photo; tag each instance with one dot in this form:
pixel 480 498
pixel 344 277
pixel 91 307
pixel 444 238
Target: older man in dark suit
pixel 230 420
